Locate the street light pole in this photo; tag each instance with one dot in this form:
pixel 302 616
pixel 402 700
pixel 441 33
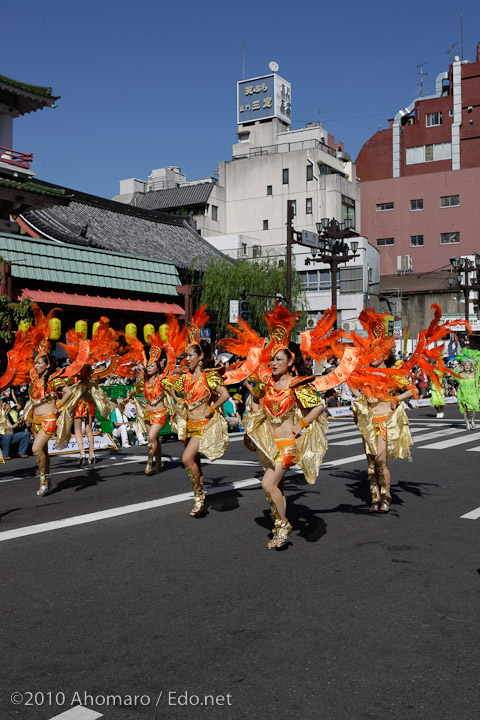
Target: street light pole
pixel 290 241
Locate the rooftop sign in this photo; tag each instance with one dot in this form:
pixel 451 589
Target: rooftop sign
pixel 264 97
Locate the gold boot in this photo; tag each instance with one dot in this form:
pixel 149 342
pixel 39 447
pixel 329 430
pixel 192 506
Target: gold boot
pixel 149 466
pixel 280 534
pixel 282 528
pixel 200 502
pixel 158 464
pixel 384 490
pixel 374 491
pixel 45 483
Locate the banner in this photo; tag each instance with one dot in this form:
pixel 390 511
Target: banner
pixel 345 411
pixel 101 441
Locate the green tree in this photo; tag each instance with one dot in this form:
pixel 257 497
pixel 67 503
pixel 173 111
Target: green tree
pixel 11 313
pixel 224 281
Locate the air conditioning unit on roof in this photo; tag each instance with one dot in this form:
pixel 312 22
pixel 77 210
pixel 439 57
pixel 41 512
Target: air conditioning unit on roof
pixel 311 322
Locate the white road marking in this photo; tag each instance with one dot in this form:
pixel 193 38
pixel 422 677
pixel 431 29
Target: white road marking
pixel 414 431
pixel 116 512
pixel 473 515
pixel 78 713
pixel 474 437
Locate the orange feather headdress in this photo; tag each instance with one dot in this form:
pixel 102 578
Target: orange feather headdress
pixel 280 323
pixel 198 321
pixel 40 331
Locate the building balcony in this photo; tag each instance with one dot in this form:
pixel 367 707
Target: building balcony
pixel 13 157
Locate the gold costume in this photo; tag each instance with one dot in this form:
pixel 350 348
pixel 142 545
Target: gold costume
pixel 398 437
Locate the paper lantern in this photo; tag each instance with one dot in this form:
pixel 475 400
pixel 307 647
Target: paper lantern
pixel 54 328
pixel 24 324
pixel 81 327
pixel 94 327
pixel 148 330
pixel 131 330
pixel 163 331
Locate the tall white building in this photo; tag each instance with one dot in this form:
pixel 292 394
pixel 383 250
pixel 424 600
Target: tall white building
pixel 244 212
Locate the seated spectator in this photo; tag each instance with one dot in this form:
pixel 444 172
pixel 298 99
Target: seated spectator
pixel 331 399
pixel 13 431
pixel 124 427
pixel 231 415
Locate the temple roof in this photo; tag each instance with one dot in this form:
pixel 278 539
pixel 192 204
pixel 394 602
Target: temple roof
pixel 185 196
pixel 24 97
pixel 92 221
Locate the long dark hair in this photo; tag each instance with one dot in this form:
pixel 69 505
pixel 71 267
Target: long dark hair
pixel 161 360
pixel 51 361
pixel 204 348
pixel 293 352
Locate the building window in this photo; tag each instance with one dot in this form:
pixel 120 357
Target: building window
pixel 256 251
pixel 450 201
pixel 265 224
pixel 385 241
pixel 314 280
pixel 269 189
pixel 308 206
pixel 348 211
pixel 416 240
pixel 285 176
pixel 214 212
pixel 385 206
pixel 351 280
pixel 309 279
pixel 450 237
pixel 309 171
pixel 428 153
pixel 416 204
pixel 434 119
pixel 294 206
pixel 325 280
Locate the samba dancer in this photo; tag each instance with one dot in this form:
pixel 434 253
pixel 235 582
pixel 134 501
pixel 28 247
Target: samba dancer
pixel 285 418
pixel 198 421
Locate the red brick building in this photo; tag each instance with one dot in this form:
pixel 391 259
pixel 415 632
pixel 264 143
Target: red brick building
pixel 420 178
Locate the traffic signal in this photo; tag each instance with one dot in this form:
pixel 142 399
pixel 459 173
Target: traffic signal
pixel 389 321
pixel 245 310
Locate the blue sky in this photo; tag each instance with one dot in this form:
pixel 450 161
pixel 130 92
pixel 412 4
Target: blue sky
pixel 147 84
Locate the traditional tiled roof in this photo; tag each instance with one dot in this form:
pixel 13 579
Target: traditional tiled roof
pixel 96 222
pixel 26 98
pixel 31 186
pixel 37 260
pixel 176 197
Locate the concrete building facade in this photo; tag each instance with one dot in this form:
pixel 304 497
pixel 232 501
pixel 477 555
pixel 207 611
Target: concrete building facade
pixel 243 212
pixel 419 178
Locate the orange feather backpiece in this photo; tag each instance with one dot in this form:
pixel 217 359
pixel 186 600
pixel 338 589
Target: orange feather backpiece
pixel 177 336
pixel 40 330
pixel 20 361
pixel 132 356
pixel 319 342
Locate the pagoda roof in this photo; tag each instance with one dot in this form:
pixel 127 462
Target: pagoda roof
pixel 96 222
pixel 17 195
pixel 24 97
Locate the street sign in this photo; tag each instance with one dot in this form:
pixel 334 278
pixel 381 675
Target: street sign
pixel 310 239
pixel 205 333
pixel 233 317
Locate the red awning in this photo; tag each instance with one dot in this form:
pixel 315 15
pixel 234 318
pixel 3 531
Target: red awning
pixel 51 297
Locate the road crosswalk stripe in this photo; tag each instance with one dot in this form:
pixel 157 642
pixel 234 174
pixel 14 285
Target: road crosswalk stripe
pixel 78 713
pixel 473 437
pixel 415 432
pixel 473 515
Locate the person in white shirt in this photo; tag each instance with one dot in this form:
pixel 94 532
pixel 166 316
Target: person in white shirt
pixel 123 426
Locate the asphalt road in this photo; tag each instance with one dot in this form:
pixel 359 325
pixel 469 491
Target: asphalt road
pixel 117 604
